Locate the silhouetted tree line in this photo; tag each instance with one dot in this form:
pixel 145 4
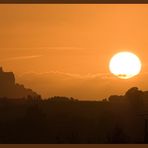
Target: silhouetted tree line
pixel 61 99
pixel 118 119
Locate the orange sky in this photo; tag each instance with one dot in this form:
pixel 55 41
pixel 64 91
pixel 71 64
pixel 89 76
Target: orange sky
pixel 61 49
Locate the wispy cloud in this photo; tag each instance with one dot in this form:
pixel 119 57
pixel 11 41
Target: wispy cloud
pixel 71 75
pixel 21 58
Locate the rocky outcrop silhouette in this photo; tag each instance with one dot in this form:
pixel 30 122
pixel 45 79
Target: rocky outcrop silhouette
pixel 10 89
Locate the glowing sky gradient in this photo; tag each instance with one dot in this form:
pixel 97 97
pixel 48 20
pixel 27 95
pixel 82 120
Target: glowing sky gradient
pixel 59 49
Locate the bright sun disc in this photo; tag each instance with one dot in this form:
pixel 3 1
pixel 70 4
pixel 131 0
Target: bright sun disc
pixel 125 65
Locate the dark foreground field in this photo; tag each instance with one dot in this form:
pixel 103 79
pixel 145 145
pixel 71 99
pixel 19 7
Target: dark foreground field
pixel 63 120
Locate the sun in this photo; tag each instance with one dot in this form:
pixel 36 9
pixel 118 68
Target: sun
pixel 125 65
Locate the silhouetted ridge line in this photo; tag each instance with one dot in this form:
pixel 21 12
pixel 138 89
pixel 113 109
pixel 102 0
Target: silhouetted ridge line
pixel 10 89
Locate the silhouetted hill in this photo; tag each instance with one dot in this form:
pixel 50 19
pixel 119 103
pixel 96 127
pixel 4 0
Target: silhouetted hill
pixel 59 119
pixel 10 89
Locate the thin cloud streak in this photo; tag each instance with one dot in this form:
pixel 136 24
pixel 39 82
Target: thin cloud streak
pixel 21 58
pixel 71 75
